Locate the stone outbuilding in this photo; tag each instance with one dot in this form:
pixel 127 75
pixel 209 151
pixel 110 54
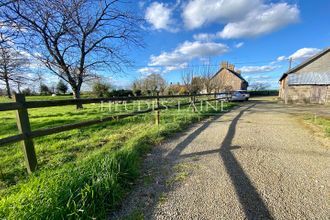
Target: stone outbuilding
pixel 308 82
pixel 228 79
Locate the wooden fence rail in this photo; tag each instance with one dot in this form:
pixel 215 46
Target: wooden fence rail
pixel 26 134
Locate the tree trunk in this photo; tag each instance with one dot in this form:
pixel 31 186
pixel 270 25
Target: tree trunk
pixel 76 95
pixel 7 87
pixel 19 88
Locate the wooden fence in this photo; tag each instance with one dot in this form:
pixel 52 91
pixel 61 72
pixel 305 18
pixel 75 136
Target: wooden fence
pixel 26 135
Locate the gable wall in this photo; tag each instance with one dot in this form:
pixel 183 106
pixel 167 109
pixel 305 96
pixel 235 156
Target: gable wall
pixel 226 81
pixel 283 85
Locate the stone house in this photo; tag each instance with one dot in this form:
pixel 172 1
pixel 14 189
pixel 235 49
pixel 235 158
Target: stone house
pixel 308 82
pixel 228 79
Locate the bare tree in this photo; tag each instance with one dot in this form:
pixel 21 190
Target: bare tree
pixel 152 83
pixel 156 83
pixel 137 86
pixel 39 79
pixel 12 62
pixel 12 68
pixel 197 84
pixel 75 38
pixel 207 75
pixel 259 86
pixel 5 35
pixel 187 76
pixel 198 79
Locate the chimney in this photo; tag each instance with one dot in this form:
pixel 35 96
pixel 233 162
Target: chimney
pixel 231 67
pixel 224 64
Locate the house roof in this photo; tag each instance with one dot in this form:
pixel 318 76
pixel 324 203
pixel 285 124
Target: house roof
pixel 232 71
pixel 309 79
pixel 305 63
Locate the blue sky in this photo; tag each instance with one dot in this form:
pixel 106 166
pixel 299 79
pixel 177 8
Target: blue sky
pixel 258 36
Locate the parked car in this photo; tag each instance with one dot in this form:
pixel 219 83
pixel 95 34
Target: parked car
pixel 225 96
pixel 240 95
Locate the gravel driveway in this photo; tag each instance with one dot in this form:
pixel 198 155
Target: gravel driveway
pixel 254 162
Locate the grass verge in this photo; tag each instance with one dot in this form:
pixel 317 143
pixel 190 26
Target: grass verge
pixel 320 121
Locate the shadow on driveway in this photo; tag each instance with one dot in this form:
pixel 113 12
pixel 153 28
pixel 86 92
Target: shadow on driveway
pixel 253 205
pixel 175 153
pixel 251 202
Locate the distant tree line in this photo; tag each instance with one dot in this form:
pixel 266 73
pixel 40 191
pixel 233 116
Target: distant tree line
pixel 60 89
pixel 154 84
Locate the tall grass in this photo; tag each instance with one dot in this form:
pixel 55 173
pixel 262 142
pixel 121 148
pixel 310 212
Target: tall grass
pixel 84 173
pixel 87 188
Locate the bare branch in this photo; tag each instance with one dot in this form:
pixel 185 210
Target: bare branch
pixel 12 68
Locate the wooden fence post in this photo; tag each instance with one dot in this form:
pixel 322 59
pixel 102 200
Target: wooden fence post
pixel 193 103
pixel 23 125
pixel 157 111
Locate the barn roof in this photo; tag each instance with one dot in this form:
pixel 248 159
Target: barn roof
pixel 305 63
pixel 232 71
pixel 309 79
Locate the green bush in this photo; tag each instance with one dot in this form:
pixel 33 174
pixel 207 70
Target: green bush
pixel 61 87
pixel 101 90
pixel 121 93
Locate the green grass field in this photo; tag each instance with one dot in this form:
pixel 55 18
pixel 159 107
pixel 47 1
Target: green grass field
pixel 38 98
pixel 82 173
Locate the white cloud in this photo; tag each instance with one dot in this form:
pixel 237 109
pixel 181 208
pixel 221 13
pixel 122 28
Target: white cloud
pixel 240 44
pixel 242 18
pixel 204 37
pixel 201 49
pixel 201 12
pixel 265 19
pixel 299 55
pixel 281 58
pixel 167 59
pixel 149 70
pixel 176 67
pixel 304 53
pixel 187 52
pixel 261 77
pixel 159 15
pixel 257 69
pixel 145 71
